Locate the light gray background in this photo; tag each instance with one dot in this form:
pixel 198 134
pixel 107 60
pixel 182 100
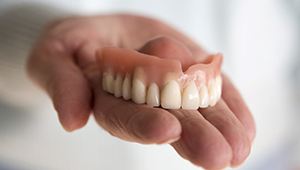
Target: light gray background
pixel 259 39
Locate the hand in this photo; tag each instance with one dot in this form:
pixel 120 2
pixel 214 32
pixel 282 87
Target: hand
pixel 63 62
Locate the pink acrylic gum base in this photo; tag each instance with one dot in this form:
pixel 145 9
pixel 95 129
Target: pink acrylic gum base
pixel 159 70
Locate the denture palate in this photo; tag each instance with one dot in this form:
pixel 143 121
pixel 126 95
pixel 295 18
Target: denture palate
pixel 160 82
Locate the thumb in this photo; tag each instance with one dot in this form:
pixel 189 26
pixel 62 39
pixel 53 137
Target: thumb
pixel 56 72
pixel 169 48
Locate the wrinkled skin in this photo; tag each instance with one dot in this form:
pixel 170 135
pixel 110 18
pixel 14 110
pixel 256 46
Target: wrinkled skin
pixel 63 63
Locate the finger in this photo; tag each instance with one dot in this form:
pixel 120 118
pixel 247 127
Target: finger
pixel 132 122
pixel 169 48
pixel 225 121
pixel 66 85
pixel 236 103
pixel 239 142
pixel 200 142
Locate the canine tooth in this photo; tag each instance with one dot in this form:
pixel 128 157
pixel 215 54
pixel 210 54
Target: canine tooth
pixel 212 91
pixel 190 97
pixel 138 93
pixel 126 87
pixel 171 95
pixel 118 86
pixel 204 97
pixel 169 77
pixel 153 95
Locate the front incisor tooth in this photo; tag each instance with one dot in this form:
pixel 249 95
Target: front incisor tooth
pixel 153 95
pixel 204 97
pixel 138 93
pixel 118 86
pixel 126 87
pixel 171 95
pixel 212 91
pixel 190 97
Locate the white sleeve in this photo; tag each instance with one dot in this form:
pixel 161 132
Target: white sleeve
pixel 19 27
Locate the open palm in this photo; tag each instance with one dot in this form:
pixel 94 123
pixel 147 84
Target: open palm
pixel 63 62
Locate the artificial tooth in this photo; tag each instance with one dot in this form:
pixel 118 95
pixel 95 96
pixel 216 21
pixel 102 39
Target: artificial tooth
pixel 138 93
pixel 108 82
pixel 218 79
pixel 219 86
pixel 204 97
pixel 171 95
pixel 212 91
pixel 190 97
pixel 118 86
pixel 104 79
pixel 153 95
pixel 126 87
pixel 169 77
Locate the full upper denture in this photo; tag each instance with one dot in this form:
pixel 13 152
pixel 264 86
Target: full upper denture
pixel 168 82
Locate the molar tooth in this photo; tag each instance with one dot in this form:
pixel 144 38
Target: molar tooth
pixel 126 87
pixel 108 82
pixel 204 97
pixel 190 97
pixel 219 79
pixel 138 92
pixel 171 95
pixel 153 95
pixel 219 86
pixel 104 81
pixel 212 91
pixel 118 86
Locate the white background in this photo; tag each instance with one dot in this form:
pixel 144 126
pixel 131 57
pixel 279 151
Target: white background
pixel 259 39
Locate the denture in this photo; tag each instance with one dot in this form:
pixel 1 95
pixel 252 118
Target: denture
pixel 161 81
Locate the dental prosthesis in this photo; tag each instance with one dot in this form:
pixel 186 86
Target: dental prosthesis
pixel 170 82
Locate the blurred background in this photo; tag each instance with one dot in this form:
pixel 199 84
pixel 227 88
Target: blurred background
pixel 259 39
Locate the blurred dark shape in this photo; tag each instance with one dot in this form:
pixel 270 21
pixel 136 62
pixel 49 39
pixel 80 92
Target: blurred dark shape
pixel 12 165
pixel 13 119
